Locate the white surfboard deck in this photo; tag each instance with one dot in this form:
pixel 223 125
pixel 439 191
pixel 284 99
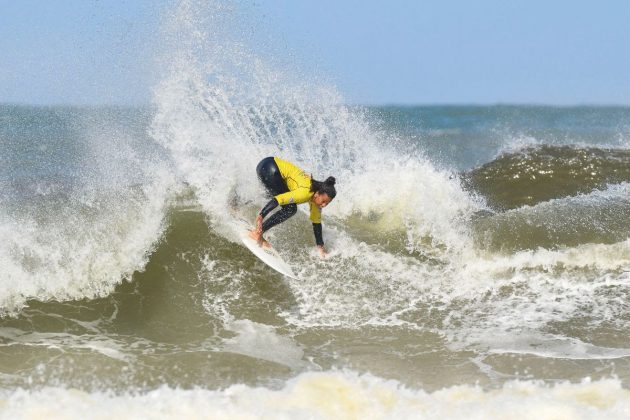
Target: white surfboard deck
pixel 267 255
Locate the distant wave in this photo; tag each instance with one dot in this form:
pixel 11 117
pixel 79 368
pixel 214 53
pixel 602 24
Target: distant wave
pixel 535 174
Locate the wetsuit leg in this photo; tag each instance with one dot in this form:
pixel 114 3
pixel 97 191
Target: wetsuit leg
pixel 269 174
pixel 280 216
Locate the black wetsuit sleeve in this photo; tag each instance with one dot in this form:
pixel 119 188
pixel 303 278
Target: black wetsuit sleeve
pixel 272 204
pixel 317 229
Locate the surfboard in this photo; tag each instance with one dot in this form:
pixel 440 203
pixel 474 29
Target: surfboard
pixel 267 255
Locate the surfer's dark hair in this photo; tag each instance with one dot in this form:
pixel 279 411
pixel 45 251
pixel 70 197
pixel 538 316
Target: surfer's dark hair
pixel 327 187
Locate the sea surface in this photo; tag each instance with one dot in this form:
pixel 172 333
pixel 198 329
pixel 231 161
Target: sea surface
pixel 479 255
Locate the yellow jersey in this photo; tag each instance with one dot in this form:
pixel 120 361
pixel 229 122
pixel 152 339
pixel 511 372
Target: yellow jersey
pixel 299 185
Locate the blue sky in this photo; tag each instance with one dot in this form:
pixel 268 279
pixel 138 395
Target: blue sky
pixel 407 52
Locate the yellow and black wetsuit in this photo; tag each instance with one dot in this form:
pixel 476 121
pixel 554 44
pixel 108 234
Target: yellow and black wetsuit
pixel 289 186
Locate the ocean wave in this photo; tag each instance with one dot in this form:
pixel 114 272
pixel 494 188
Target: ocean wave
pixel 78 246
pixel 599 216
pixel 538 174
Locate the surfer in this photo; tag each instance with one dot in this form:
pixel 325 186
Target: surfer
pixel 290 186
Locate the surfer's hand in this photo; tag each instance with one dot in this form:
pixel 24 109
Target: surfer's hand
pixel 259 220
pixel 322 251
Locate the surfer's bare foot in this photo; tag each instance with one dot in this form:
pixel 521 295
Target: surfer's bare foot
pixel 259 239
pixel 253 234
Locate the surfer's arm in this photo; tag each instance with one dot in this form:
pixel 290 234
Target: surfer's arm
pixel 316 218
pixel 317 230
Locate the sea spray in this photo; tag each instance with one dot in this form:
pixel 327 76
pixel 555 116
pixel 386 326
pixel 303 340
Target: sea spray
pixel 75 228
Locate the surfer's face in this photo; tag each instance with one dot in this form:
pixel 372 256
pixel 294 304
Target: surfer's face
pixel 321 200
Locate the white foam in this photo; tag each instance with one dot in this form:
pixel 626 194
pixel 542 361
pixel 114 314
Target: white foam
pixel 411 195
pixel 556 347
pixel 262 342
pixel 106 346
pixel 519 142
pixel 358 285
pixel 331 395
pixel 516 144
